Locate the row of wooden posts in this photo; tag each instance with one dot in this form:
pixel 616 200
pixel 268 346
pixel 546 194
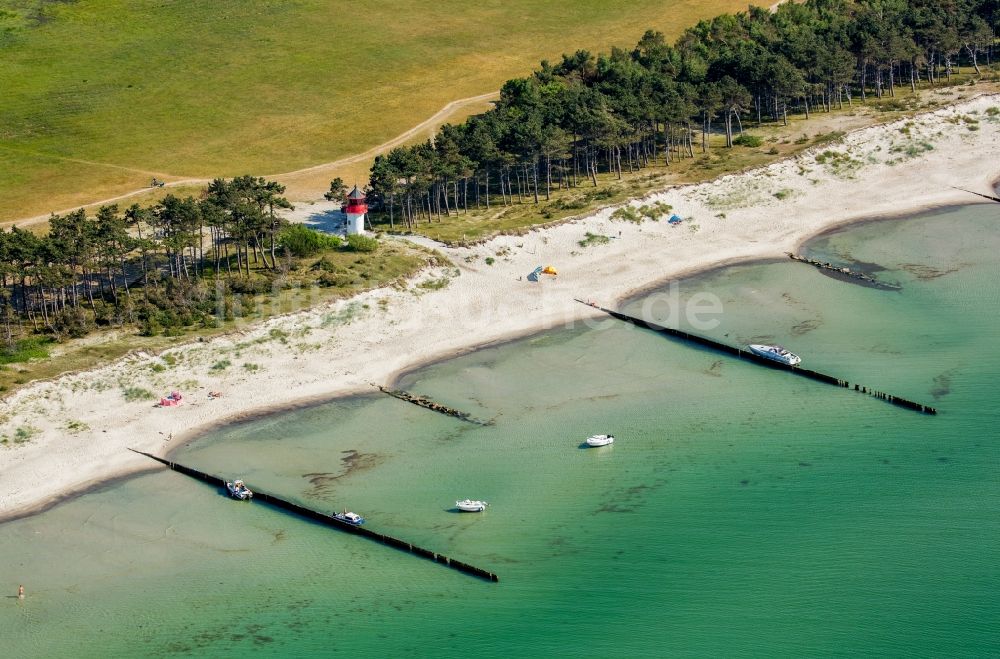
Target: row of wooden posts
pixel 329 520
pixel 746 354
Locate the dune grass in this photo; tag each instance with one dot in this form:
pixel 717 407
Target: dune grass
pixel 99 97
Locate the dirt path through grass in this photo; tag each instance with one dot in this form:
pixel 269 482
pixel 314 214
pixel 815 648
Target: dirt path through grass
pixel 302 179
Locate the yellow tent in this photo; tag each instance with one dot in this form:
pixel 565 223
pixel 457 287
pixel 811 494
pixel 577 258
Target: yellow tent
pixel 549 270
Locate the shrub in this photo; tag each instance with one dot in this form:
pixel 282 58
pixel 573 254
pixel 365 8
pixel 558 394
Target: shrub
pixel 746 139
pixel 151 327
pixel 72 322
pixel 603 193
pixel 301 241
pixel 325 265
pixel 358 243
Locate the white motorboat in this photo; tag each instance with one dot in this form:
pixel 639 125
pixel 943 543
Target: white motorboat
pixel 600 440
pixel 351 518
pixel 238 490
pixel 775 353
pixel 470 506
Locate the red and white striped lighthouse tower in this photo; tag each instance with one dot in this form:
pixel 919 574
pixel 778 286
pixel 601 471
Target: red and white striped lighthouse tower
pixel 356 208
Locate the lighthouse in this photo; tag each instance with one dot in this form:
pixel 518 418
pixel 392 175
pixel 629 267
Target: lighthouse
pixel 356 209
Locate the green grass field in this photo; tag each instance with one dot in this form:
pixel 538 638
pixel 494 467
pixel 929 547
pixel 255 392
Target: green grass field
pixel 99 96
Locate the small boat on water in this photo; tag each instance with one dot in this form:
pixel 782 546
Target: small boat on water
pixel 238 490
pixel 351 518
pixel 471 506
pixel 775 353
pixel 600 440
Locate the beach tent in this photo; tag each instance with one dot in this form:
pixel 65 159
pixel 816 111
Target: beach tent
pixel 534 274
pixel 674 220
pixel 549 270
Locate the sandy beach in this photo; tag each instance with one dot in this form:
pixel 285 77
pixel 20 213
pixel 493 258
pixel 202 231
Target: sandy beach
pixel 81 424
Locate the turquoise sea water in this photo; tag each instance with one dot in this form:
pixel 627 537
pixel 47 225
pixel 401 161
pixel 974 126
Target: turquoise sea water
pixel 741 511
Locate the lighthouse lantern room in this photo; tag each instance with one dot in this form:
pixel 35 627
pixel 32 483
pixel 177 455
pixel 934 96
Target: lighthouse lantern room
pixel 356 208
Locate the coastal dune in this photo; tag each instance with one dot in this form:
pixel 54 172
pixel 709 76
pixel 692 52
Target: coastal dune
pixel 81 424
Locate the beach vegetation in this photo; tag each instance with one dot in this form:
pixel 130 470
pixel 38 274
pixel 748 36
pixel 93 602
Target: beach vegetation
pixel 434 284
pixel 277 334
pixel 655 211
pixel 912 149
pixel 627 214
pixel 591 239
pixel 134 394
pixel 220 366
pixel 826 138
pixel 75 427
pixel 651 212
pixel 250 367
pixel 490 260
pixel 343 316
pixel 24 434
pixel 839 163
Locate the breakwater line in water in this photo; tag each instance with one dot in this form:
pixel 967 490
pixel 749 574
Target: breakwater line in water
pixel 838 271
pixel 427 403
pixel 329 520
pixel 746 354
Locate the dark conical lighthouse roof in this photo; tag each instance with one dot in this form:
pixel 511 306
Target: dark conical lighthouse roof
pixel 356 195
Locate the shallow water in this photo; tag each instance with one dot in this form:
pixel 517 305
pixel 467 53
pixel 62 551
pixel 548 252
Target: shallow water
pixel 741 511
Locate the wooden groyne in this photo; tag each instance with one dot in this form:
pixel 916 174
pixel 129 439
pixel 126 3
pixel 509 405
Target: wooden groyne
pixel 427 403
pixel 329 520
pixel 979 194
pixel 746 354
pixel 846 272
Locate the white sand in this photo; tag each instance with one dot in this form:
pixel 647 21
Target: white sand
pixel 342 348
